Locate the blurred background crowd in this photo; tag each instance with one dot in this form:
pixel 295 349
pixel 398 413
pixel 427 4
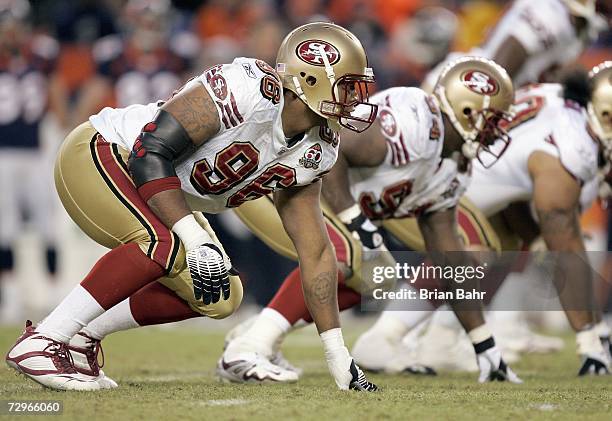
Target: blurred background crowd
pixel 63 60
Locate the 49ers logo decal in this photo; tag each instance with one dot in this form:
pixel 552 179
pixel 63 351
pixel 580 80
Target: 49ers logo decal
pixel 387 123
pixel 312 157
pixel 480 82
pixel 311 52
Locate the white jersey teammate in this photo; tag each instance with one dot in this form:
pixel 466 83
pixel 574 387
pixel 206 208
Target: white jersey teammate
pixel 551 161
pixel 535 38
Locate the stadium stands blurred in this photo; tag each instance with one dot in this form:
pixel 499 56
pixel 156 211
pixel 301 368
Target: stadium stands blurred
pixel 62 60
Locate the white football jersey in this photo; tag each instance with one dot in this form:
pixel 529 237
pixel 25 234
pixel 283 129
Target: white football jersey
pixel 544 122
pixel 413 178
pixel 249 157
pixel 544 29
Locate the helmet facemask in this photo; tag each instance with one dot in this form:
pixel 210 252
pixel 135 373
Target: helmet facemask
pixel 485 138
pixel 349 104
pixel 492 139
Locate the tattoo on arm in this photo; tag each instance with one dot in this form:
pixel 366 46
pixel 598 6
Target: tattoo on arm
pixel 560 222
pixel 196 112
pixel 322 288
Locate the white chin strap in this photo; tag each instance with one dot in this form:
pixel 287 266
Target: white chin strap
pixel 299 90
pixel 329 70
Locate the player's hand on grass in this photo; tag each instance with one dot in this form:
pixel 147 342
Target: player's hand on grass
pixel 341 365
pixel 210 273
pixel 493 368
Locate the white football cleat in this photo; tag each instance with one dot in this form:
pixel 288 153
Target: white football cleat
pixel 280 360
pixel 85 350
pixel 376 352
pixel 250 367
pixel 48 362
pixel 446 348
pixel 277 358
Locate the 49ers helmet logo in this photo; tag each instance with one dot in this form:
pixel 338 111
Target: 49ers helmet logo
pixel 310 52
pixel 312 157
pixel 480 82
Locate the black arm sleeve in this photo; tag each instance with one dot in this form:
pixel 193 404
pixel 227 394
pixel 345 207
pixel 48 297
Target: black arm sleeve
pixel 159 144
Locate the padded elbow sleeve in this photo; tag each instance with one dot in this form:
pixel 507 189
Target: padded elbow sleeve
pixel 159 144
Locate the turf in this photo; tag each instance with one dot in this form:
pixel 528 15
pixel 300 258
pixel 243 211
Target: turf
pixel 169 374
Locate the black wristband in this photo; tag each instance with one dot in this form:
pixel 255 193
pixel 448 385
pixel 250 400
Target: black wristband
pixel 481 347
pixel 159 144
pixel 356 223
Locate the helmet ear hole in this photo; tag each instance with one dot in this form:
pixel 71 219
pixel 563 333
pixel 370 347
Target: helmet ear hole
pixel 467 111
pixel 311 80
pixel 302 74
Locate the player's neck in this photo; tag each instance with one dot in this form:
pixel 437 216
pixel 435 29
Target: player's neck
pixel 296 116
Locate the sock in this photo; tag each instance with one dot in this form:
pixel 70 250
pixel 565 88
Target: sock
pixel 153 304
pixel 156 304
pixel 289 300
pixel 264 335
pixel 116 276
pixel 119 274
pixel 402 317
pixel 446 317
pixel 71 315
pixel 114 320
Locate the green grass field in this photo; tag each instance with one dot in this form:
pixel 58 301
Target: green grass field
pixel 169 374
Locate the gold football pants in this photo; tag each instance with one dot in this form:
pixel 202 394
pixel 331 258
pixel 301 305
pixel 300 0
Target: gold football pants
pixel 96 190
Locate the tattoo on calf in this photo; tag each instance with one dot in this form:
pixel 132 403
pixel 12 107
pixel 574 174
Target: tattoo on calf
pixel 323 288
pixel 560 222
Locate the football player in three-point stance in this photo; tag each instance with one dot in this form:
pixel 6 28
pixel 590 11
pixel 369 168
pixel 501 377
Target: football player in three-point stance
pixel 558 133
pixel 235 133
pixel 415 161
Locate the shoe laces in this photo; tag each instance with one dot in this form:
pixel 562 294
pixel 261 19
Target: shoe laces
pixel 61 355
pixel 94 348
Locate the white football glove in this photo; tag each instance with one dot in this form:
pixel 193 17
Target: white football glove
pixel 208 264
pixel 362 229
pixel 342 367
pixel 492 367
pixel 209 273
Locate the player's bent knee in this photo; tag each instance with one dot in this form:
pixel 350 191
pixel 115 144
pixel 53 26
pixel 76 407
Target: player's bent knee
pixel 222 308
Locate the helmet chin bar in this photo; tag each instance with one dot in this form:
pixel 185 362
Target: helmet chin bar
pixel 343 110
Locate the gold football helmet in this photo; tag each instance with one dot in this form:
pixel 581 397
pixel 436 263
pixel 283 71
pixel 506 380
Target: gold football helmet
pixel 326 67
pixel 600 106
pixel 476 95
